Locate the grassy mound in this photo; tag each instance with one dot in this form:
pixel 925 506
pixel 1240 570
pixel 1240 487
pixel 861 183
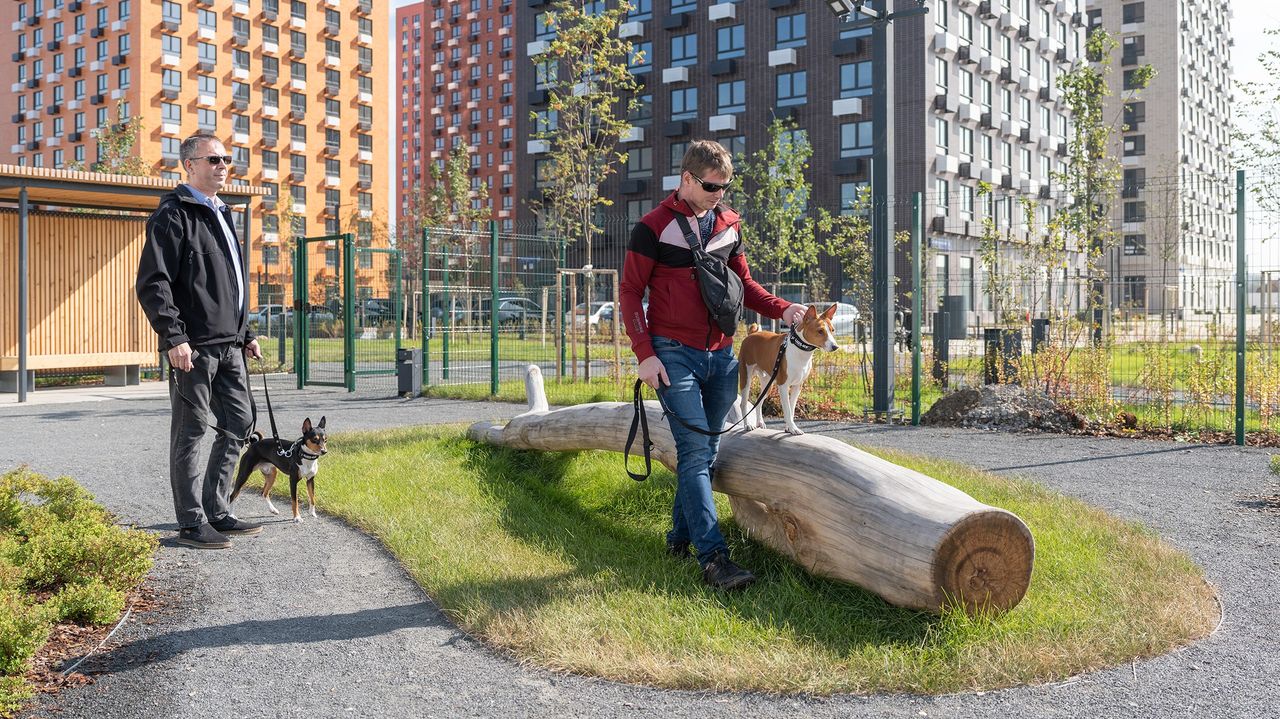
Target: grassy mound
pixel 558 557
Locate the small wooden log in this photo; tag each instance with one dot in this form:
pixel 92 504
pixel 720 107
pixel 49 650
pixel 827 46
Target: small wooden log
pixel 835 509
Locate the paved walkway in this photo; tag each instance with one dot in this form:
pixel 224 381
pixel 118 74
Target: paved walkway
pixel 319 621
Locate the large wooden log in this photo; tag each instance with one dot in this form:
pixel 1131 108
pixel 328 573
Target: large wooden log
pixel 836 510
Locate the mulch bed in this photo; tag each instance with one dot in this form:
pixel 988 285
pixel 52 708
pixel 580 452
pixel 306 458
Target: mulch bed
pixel 68 642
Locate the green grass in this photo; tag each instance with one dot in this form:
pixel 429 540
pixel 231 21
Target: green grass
pixel 558 558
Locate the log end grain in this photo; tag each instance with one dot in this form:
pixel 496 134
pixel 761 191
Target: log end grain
pixel 985 562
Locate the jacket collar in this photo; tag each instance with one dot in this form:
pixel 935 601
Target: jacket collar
pixel 725 215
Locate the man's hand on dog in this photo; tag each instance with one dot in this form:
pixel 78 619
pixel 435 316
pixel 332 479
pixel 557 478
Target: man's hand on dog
pixel 793 314
pixel 651 370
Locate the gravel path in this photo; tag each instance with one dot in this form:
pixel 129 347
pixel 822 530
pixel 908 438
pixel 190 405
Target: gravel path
pixel 321 622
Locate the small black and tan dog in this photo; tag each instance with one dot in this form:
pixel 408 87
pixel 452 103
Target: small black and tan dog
pixel 299 460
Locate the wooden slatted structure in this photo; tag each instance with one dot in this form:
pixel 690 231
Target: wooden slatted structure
pixel 67 300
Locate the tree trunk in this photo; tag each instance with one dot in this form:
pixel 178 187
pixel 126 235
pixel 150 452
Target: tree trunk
pixel 837 511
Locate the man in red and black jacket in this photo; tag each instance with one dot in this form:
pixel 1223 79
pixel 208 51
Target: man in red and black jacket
pixel 680 347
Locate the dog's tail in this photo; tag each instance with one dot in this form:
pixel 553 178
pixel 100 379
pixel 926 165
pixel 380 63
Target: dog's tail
pixel 753 327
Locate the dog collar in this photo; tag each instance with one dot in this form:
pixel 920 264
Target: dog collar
pixel 794 338
pixel 302 451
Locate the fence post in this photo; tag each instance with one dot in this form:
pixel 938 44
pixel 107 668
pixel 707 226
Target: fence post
pixel 348 312
pixel 424 322
pixel 493 307
pixel 917 230
pixel 447 317
pixel 1241 300
pixel 299 310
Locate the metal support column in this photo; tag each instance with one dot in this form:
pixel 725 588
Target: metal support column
pixel 917 231
pixel 882 221
pixel 348 312
pixel 1241 304
pixel 493 307
pixel 24 270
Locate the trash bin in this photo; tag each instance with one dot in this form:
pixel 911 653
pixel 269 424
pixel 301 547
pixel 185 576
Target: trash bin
pixel 1039 334
pixel 1002 356
pixel 409 371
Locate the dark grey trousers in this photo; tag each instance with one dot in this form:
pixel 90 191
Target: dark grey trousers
pixel 218 381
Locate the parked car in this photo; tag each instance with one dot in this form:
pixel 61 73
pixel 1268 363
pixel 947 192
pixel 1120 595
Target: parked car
pixel 511 310
pixel 377 311
pixel 261 315
pixel 600 312
pixel 845 320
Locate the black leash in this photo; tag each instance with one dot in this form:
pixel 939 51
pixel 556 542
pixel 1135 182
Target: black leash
pixel 253 407
pixel 639 419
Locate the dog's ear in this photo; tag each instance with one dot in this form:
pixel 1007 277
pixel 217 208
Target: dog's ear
pixel 810 313
pixel 831 312
pixel 321 425
pixel 306 425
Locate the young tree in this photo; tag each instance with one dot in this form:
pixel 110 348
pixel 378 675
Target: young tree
pixel 585 69
pixel 1257 128
pixel 1093 172
pixel 775 198
pixel 117 142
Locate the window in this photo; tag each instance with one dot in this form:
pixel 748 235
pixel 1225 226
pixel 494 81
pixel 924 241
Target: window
pixel 207 19
pixel 1131 80
pixel 942 195
pixel 1135 211
pixel 1135 181
pixel 855 79
pixel 731 42
pixel 791 31
pixel 170 148
pixel 737 147
pixel 1135 290
pixel 855 139
pixel 208 52
pixel 940 76
pixel 677 156
pixel 207 119
pixel 170 80
pixel 966 202
pixel 684 50
pixel 1133 12
pixel 207 85
pixel 1135 113
pixel 1135 245
pixel 640 162
pixel 169 45
pixel 853 197
pixel 683 6
pixel 641 10
pixel 171 11
pixel 1135 145
pixel 942 130
pixel 642 59
pixel 792 88
pixel 731 97
pixel 643 113
pixel 684 103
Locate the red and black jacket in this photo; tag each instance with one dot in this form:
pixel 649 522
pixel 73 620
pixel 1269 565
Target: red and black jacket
pixel 659 260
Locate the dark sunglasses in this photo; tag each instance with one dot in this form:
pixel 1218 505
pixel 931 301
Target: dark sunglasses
pixel 711 186
pixel 216 159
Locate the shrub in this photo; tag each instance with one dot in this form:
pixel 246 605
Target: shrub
pixel 82 549
pixel 14 693
pixel 92 602
pixel 24 627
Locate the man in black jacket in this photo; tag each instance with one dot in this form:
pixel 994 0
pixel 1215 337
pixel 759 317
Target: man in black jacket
pixel 191 283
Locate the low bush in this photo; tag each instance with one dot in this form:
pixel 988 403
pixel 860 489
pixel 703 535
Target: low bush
pixel 24 627
pixel 61 559
pixel 93 602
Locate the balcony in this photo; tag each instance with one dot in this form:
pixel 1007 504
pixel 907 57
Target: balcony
pixel 536 147
pixel 723 123
pixel 675 74
pixel 786 56
pixel 722 11
pixel 631 29
pixel 846 106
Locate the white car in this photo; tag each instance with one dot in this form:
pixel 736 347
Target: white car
pixel 845 320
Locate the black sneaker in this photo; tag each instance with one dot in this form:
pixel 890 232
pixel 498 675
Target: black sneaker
pixel 231 525
pixel 679 550
pixel 203 537
pixel 721 573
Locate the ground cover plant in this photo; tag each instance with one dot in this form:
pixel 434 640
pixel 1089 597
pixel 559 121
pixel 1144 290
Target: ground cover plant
pixel 558 558
pixel 62 560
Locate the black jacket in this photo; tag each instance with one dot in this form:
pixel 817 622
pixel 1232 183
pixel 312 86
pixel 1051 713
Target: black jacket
pixel 186 279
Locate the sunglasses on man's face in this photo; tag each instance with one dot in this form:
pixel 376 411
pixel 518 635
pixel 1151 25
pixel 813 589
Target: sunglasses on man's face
pixel 215 159
pixel 711 186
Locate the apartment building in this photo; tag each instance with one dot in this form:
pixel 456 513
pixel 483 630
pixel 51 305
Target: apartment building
pixel 1176 207
pixel 976 101
pixel 457 85
pixel 288 85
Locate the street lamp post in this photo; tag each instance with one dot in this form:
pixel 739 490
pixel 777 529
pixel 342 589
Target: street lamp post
pixel 879 19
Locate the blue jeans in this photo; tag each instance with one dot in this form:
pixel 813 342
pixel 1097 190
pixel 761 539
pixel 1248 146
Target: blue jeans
pixel 704 386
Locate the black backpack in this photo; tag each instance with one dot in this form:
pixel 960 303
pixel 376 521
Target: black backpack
pixel 721 287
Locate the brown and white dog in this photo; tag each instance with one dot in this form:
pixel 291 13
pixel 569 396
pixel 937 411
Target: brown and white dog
pixel 299 461
pixel 759 351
